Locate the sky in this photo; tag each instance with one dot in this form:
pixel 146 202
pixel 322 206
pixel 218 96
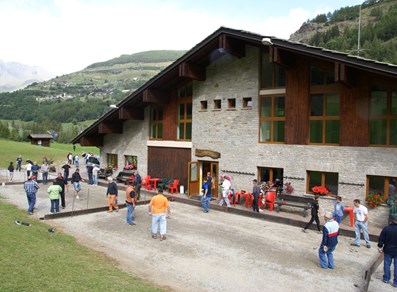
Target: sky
pixel 65 36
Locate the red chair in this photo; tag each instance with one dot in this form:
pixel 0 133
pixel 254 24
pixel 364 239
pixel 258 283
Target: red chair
pixel 351 215
pixel 249 198
pixel 173 186
pixel 237 196
pixel 146 182
pixel 230 196
pixel 269 200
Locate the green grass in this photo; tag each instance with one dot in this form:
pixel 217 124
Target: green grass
pixel 33 259
pixel 10 150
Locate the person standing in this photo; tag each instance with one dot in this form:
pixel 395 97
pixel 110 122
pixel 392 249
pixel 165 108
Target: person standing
pixel 89 173
pixel 329 242
pixel 111 194
pixel 19 163
pixel 256 191
pixel 206 198
pixel 314 205
pixel 138 183
pixel 35 170
pixel 44 170
pixel 28 168
pixel 76 161
pixel 361 218
pixel 130 200
pixel 387 243
pixel 62 183
pixel 95 171
pixel 54 192
pixel 226 186
pixel 11 170
pixel 392 192
pixel 76 181
pixel 159 209
pixel 339 208
pixel 31 187
pixel 210 183
pixel 66 169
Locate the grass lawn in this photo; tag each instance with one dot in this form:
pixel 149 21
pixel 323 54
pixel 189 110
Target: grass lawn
pixel 10 150
pixel 33 259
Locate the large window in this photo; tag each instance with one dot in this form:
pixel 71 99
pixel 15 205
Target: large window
pixel 324 119
pixel 270 174
pixel 272 119
pixel 131 160
pixel 325 179
pixel 272 75
pixel 383 116
pixel 112 160
pixel 185 113
pixel 380 185
pixel 156 123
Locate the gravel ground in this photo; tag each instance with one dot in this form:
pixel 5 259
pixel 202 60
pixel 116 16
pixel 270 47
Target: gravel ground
pixel 216 251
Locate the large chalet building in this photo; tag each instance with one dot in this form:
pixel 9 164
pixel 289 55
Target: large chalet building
pixel 251 106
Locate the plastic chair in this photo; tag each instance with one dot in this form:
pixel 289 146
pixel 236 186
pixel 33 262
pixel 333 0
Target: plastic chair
pixel 146 182
pixel 249 198
pixel 173 186
pixel 269 200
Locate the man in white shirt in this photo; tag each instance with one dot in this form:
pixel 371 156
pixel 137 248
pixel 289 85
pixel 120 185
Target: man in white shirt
pixel 226 186
pixel 361 216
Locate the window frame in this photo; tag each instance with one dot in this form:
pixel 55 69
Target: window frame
pixel 112 160
pixel 185 97
pixel 272 119
pixel 323 180
pixel 386 180
pixel 156 122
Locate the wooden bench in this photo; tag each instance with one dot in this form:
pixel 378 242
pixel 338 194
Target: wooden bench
pixel 293 201
pixel 125 176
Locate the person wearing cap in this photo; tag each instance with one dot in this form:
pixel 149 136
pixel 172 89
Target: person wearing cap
pixel 361 224
pixel 111 193
pixel 159 209
pixel 31 187
pixel 314 205
pixel 256 191
pixel 329 242
pixel 387 244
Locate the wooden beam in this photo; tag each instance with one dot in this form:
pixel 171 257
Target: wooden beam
pixel 192 71
pixel 156 96
pixel 282 58
pixel 341 75
pixel 110 128
pixel 232 46
pixel 131 114
pixel 91 140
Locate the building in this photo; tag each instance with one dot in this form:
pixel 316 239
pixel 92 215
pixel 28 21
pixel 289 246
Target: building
pixel 40 139
pixel 251 106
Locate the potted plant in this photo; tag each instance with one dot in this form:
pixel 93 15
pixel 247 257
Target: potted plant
pixel 320 190
pixel 374 199
pixel 289 189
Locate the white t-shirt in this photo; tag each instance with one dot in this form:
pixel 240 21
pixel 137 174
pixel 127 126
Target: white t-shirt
pixel 226 184
pixel 360 212
pixel 95 170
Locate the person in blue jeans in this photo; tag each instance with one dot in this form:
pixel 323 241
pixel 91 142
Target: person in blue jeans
pixel 361 213
pixel 387 243
pixel 206 197
pixel 339 208
pixel 329 242
pixel 31 187
pixel 130 199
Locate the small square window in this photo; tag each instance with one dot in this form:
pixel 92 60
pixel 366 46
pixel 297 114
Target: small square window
pixel 231 103
pixel 247 102
pixel 204 105
pixel 217 104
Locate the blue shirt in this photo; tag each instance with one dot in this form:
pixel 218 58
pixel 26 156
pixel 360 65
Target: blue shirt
pixel 205 188
pixel 339 208
pixel 31 186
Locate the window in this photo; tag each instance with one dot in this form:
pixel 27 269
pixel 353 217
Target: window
pixel 272 119
pixel 272 75
pixel 325 179
pixel 156 123
pixel 184 131
pixel 131 160
pixel 231 103
pixel 324 119
pixel 247 102
pixel 270 174
pixel 380 185
pixel 383 116
pixel 217 104
pixel 112 160
pixel 204 105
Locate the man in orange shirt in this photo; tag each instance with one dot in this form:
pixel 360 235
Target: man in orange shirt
pixel 159 209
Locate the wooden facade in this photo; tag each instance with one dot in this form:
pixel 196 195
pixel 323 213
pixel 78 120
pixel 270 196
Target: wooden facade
pixel 40 139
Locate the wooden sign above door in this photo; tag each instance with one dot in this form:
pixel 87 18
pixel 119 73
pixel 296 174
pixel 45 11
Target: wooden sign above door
pixel 209 153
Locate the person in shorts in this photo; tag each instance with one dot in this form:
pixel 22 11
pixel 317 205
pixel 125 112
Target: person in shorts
pixel 76 179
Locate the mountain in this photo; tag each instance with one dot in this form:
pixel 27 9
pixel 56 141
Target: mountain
pixel 14 75
pixel 368 30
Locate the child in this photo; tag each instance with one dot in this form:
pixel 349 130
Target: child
pixel 338 209
pixel 54 193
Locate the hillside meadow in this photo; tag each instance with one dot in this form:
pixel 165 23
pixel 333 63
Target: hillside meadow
pixel 10 150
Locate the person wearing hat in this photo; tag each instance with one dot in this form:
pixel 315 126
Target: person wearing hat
pixel 387 244
pixel 159 209
pixel 256 191
pixel 31 187
pixel 329 242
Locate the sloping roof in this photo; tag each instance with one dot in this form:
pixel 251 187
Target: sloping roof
pixel 39 136
pixel 209 49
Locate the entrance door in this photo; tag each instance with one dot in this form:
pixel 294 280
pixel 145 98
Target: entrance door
pixel 193 178
pixel 212 168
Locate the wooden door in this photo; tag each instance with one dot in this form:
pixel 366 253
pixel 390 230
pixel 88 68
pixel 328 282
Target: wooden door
pixel 215 178
pixel 193 178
